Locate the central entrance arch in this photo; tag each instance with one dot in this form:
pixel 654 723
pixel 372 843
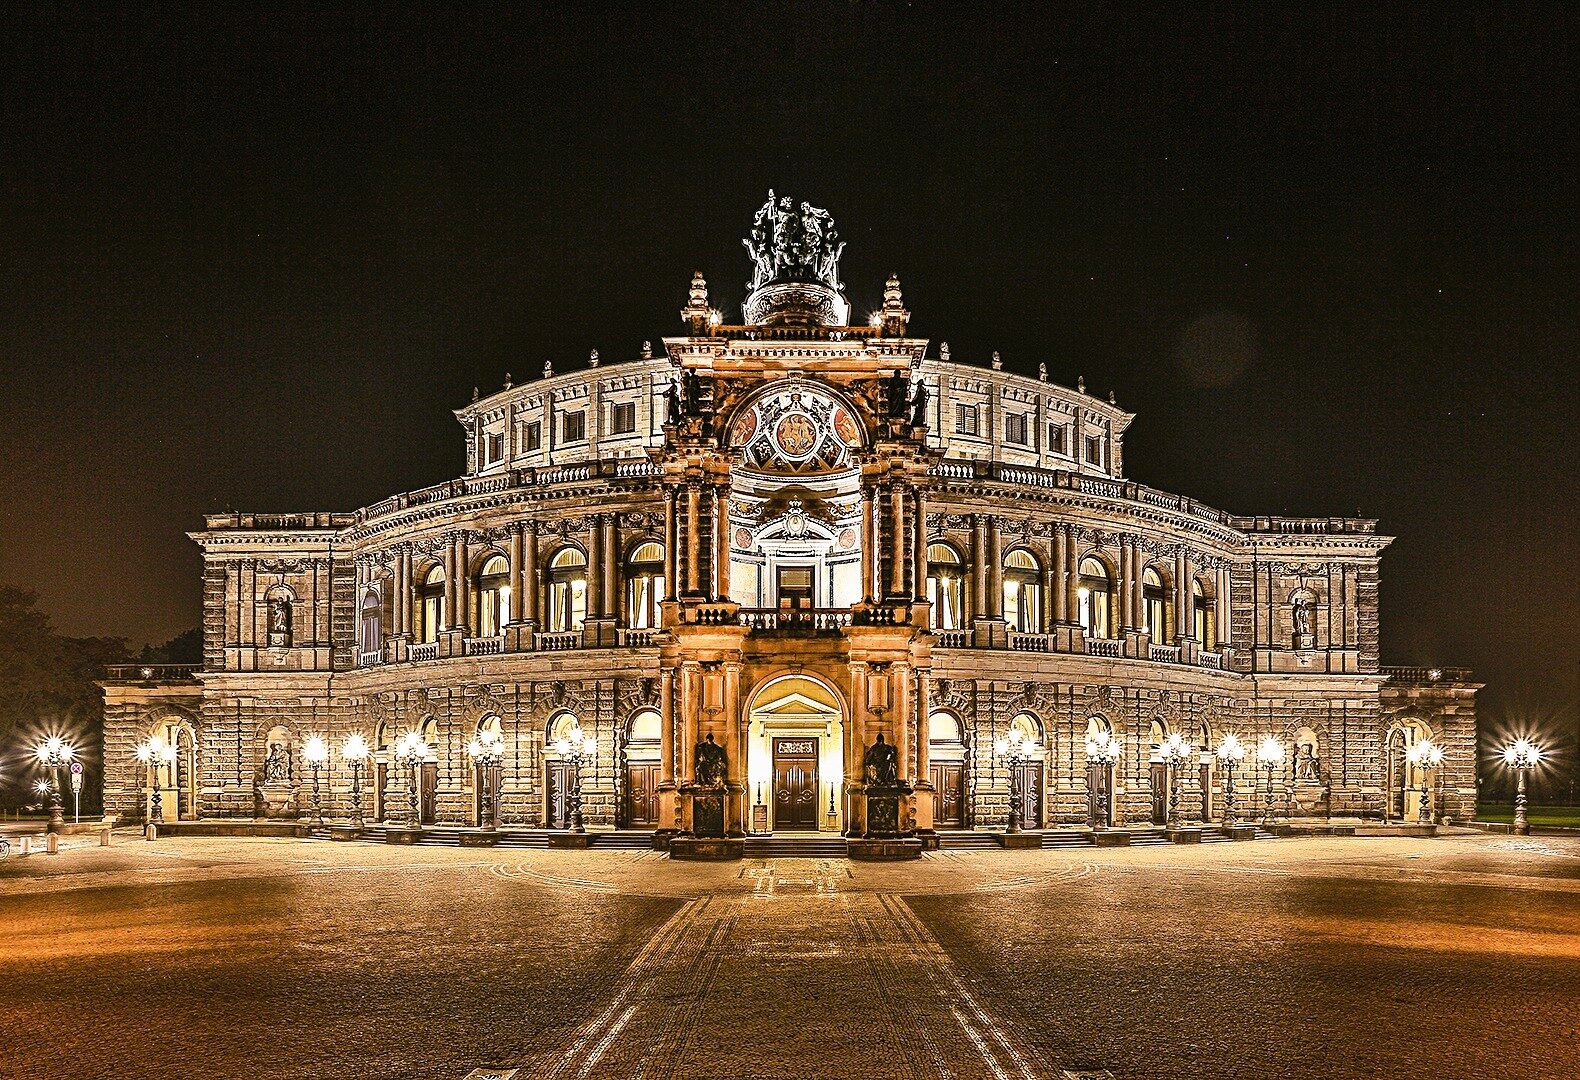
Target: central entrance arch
pixel 795 755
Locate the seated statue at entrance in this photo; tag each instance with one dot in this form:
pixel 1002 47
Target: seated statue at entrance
pixel 881 763
pixel 711 766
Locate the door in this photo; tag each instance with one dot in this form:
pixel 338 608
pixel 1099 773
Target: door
pixel 1030 781
pixel 795 591
pixel 641 794
pixel 381 779
pixel 795 784
pixel 1160 793
pixel 428 792
pixel 1206 792
pixel 1099 794
pixel 560 779
pixel 949 802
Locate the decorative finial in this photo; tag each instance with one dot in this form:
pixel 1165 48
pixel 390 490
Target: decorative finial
pixel 943 352
pixel 548 369
pixel 592 358
pixel 893 318
pixel 1080 383
pixel 696 311
pixel 507 380
pixel 474 395
pixel 1042 372
pixel 1112 400
pixel 998 361
pixel 647 350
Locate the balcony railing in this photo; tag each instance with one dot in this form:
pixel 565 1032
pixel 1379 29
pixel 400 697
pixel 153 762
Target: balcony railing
pixel 152 673
pixel 802 619
pixel 370 659
pixel 1426 676
pixel 424 651
pixel 485 646
pixel 1213 660
pixel 1028 642
pixel 559 641
pixel 1109 647
pixel 638 638
pixel 1164 654
pixel 950 639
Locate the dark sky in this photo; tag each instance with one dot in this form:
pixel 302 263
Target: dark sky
pixel 1330 262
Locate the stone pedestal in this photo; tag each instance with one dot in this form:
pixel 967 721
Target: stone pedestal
pixel 452 642
pixel 708 849
pixel 708 809
pixel 277 801
pixel 518 636
pixel 1069 638
pixel 597 633
pixel 1184 836
pixel 1240 832
pixel 1111 838
pixel 883 811
pixel 1019 841
pixel 401 836
pixel 571 840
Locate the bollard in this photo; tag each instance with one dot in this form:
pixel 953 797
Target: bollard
pixel 52 845
pixel 104 837
pixel 151 831
pixel 27 846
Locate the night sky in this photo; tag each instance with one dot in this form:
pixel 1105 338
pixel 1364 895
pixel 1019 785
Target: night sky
pixel 1331 264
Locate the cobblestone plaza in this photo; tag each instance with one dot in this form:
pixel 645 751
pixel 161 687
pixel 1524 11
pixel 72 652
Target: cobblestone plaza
pixel 1312 957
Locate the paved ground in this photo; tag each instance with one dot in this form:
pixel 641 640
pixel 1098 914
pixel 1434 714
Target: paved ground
pixel 1295 958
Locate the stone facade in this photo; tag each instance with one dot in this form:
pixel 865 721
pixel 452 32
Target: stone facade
pixel 790 537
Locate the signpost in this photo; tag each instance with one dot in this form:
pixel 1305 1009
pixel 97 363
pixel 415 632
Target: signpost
pixel 76 792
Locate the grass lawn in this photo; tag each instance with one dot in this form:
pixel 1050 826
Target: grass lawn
pixel 1565 816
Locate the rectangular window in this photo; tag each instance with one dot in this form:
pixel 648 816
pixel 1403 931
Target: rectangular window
pixel 1056 439
pixel 1015 429
pixel 493 447
pixel 1094 449
pixel 573 427
pixel 966 419
pixel 534 436
pixel 622 418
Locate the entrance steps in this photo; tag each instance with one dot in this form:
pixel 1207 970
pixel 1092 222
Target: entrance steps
pixel 796 847
pixel 967 840
pixel 1064 839
pixel 622 840
pixel 1148 837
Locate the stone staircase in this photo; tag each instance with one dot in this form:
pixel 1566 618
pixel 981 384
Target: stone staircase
pixel 1065 839
pixel 621 840
pixel 967 840
pixel 796 847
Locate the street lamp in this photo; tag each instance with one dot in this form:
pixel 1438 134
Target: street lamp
pixel 1522 756
pixel 1016 748
pixel 573 746
pixel 315 752
pixel 1102 751
pixel 487 751
pixel 54 754
pixel 1230 753
pixel 148 752
pixel 1176 753
pixel 354 751
pixel 411 751
pixel 1426 756
pixel 1269 756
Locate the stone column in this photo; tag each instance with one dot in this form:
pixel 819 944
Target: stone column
pixel 1221 608
pixel 595 561
pixel 995 570
pixel 516 590
pixel 693 538
pixel 869 547
pixel 919 540
pixel 979 572
pixel 463 582
pixel 671 545
pixel 721 542
pixel 451 603
pixel 897 540
pixel 530 587
pixel 611 569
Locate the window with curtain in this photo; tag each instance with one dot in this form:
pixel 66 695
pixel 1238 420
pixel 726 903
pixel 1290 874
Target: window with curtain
pixel 432 607
pixel 1023 592
pixel 567 590
pixel 1155 606
pixel 493 596
pixel 945 587
pixel 644 585
pixel 1093 594
pixel 1205 614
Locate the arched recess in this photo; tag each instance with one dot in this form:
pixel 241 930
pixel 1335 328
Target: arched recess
pixel 1032 768
pixel 567 590
pixel 1158 770
pixel 1405 779
pixel 1023 591
pixel 175 777
pixel 1157 604
pixel 947 768
pixel 645 584
pixel 493 593
pixel 489 728
pixel 560 772
pixel 794 734
pixel 428 772
pixel 1100 778
pixel 643 768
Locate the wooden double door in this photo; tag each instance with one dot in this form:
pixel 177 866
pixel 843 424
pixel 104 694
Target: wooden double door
pixel 641 794
pixel 949 794
pixel 561 779
pixel 1160 793
pixel 1029 781
pixel 795 784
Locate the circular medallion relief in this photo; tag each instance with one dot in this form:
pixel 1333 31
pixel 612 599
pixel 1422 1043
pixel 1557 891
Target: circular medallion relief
pixel 845 427
pixel 745 427
pixel 847 539
pixel 743 538
pixel 796 435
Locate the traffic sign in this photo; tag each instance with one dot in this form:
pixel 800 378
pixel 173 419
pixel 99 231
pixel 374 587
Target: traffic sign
pixel 76 768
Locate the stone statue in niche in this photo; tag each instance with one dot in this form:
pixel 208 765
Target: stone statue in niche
pixel 1302 607
pixel 919 406
pixel 710 763
pixel 692 399
pixel 277 765
pixel 672 403
pixel 1307 765
pixel 881 763
pixel 898 385
pixel 279 623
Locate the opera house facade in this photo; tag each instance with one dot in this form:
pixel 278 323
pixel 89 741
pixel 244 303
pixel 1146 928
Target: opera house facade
pixel 751 580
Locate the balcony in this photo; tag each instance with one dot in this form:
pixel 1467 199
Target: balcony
pixel 950 639
pixel 1212 660
pixel 370 659
pixel 1112 648
pixel 426 651
pixel 485 646
pixel 1028 642
pixel 637 639
pixel 799 620
pixel 1163 654
pixel 560 641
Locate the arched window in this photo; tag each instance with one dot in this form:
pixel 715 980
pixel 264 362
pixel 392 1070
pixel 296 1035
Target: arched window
pixel 942 727
pixel 1204 616
pixel 567 590
pixel 945 587
pixel 1155 606
pixel 1023 592
pixel 644 584
pixel 370 636
pixel 432 594
pixel 493 596
pixel 1093 595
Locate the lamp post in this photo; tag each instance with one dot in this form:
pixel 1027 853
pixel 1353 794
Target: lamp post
pixel 1230 753
pixel 1426 756
pixel 149 752
pixel 1102 751
pixel 573 746
pixel 1522 756
pixel 54 754
pixel 1269 756
pixel 487 751
pixel 315 752
pixel 1016 748
pixel 1176 752
pixel 410 751
pixel 354 751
